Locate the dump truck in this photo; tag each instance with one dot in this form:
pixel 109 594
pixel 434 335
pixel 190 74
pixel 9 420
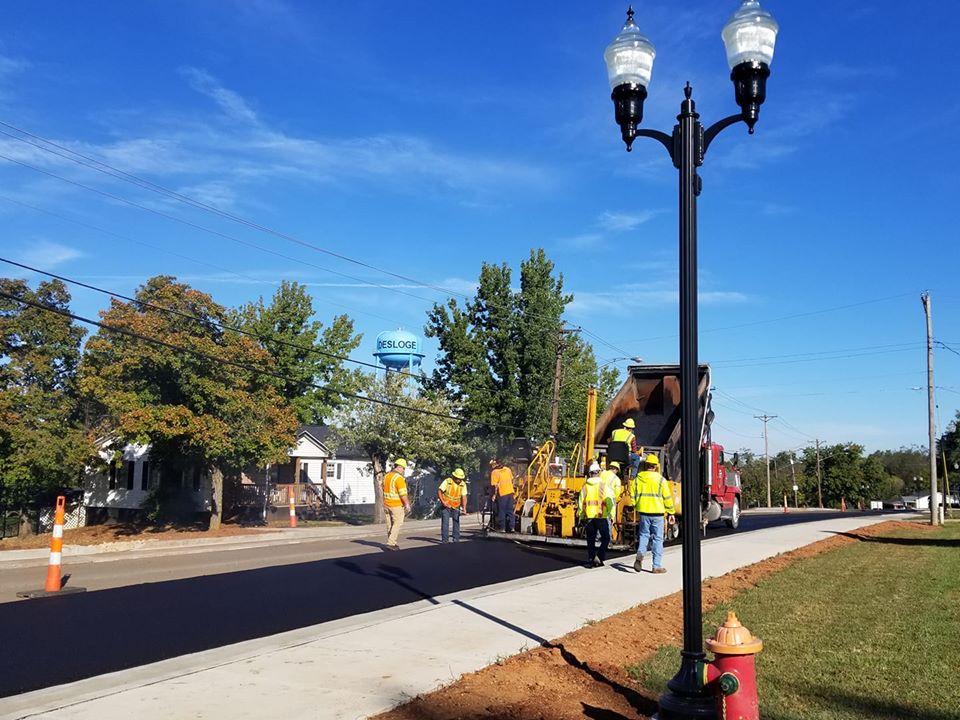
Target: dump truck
pixel 547 485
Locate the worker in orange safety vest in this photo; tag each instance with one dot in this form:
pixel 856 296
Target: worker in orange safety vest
pixel 501 485
pixel 396 504
pixel 453 500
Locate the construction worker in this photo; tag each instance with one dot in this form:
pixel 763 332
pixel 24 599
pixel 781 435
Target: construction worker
pixel 593 508
pixel 453 498
pixel 501 484
pixel 395 502
pixel 652 497
pixel 610 478
pixel 625 435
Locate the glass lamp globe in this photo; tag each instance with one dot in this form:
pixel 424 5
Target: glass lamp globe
pixel 750 35
pixel 629 56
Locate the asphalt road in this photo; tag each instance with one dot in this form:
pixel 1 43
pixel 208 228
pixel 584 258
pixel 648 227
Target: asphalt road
pixel 62 639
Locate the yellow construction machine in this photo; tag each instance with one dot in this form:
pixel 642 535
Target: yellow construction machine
pixel 546 493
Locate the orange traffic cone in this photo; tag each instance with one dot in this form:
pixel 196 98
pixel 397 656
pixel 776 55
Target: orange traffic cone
pixel 56 548
pixel 293 510
pixel 54 583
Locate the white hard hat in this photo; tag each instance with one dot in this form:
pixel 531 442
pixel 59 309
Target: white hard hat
pixel 594 467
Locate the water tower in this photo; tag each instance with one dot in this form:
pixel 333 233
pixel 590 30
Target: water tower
pixel 398 350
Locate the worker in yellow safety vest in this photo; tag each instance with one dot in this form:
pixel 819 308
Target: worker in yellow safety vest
pixel 625 435
pixel 453 500
pixel 613 487
pixel 652 498
pixel 396 504
pixel 593 507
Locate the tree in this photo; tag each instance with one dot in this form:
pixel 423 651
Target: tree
pixel 409 426
pixel 907 466
pixel 43 446
pixel 498 357
pixel 303 350
pixel 206 399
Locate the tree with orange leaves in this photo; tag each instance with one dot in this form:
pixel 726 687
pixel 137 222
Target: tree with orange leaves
pixel 199 394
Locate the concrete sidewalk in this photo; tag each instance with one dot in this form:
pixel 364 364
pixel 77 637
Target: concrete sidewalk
pixel 149 548
pixel 359 666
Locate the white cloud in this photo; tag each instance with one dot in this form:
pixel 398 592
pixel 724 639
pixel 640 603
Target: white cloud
pixel 584 241
pixel 586 303
pixel 620 222
pixel 230 102
pixel 48 255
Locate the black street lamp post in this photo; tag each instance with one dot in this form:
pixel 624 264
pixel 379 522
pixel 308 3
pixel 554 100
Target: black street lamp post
pixel 749 38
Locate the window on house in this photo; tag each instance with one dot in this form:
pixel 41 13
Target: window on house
pixel 331 470
pixel 304 472
pixel 112 476
pixel 145 475
pixel 131 466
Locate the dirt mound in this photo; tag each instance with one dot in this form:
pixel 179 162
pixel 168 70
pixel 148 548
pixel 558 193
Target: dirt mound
pixel 582 674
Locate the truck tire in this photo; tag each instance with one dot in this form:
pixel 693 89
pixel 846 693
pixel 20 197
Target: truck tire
pixel 734 522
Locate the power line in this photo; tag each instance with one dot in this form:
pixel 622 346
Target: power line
pixel 818 353
pixel 66 153
pixel 794 316
pixel 127 238
pixel 205 229
pixel 249 368
pixel 202 321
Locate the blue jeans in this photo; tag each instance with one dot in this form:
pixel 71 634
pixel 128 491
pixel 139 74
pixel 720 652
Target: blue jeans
pixel 634 463
pixel 651 526
pixel 446 516
pixel 505 512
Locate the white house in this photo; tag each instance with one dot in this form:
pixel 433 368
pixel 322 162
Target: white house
pixel 120 491
pixel 346 473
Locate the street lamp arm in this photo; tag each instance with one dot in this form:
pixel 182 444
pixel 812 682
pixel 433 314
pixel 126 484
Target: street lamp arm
pixel 719 127
pixel 661 137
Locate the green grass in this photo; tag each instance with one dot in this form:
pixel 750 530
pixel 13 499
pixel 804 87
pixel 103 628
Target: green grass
pixel 871 630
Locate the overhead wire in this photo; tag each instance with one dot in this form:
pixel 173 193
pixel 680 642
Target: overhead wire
pixel 127 238
pixel 71 155
pixel 247 367
pixel 201 321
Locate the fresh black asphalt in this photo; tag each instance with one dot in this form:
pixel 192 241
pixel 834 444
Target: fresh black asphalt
pixel 52 641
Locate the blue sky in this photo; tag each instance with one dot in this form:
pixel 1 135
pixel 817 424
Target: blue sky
pixel 425 138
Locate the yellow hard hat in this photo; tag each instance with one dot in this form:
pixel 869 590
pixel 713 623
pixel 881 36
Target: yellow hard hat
pixel 459 474
pixel 629 423
pixel 651 459
pixel 613 464
pixel 401 462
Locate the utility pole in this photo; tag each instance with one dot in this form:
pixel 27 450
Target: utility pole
pixel 766 453
pixel 931 409
pixel 557 376
pixel 819 489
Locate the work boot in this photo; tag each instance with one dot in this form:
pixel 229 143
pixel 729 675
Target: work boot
pixel 638 563
pixel 597 562
pixel 659 570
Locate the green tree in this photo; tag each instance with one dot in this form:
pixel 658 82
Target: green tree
pixel 196 406
pixel 304 351
pixel 907 466
pixel 498 357
pixel 400 425
pixel 43 447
